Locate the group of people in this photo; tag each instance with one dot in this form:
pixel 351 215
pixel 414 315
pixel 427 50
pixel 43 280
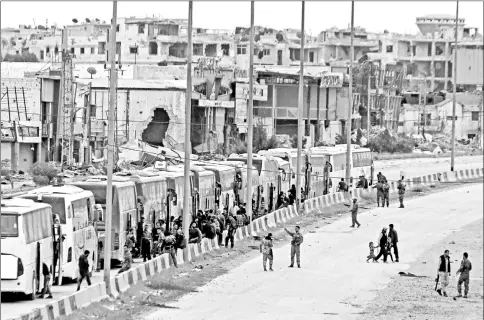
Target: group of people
pixel 387 240
pixel 288 199
pixel 443 274
pixel 266 246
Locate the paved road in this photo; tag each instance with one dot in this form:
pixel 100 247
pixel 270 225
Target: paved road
pixel 418 167
pixel 12 308
pixel 335 281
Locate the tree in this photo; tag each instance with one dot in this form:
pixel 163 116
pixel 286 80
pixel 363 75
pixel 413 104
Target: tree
pixel 7 173
pixel 44 171
pixel 24 57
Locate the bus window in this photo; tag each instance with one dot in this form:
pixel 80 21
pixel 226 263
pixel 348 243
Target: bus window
pixel 34 227
pixel 58 207
pixel 9 225
pixel 339 161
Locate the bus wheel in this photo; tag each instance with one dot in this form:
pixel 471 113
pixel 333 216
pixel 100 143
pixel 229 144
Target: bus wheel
pixel 32 295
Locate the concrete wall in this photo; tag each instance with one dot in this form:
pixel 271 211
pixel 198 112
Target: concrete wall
pixel 469 64
pixel 31 90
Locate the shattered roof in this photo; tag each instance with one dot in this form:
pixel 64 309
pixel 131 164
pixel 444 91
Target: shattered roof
pixel 308 71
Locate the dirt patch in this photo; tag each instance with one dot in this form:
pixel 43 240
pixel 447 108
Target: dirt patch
pixel 414 297
pixel 166 287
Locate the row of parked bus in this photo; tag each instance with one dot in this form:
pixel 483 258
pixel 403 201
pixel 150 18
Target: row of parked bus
pixel 65 215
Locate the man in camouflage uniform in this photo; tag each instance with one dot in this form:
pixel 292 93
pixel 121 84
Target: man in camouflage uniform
pixel 379 192
pixel 386 194
pixel 266 250
pixel 465 267
pixel 401 192
pixel 297 239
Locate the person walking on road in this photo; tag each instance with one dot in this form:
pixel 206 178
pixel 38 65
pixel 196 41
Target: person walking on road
pixel 392 233
pixel 354 214
pixel 382 242
pixel 465 268
pixel 48 275
pixel 443 273
pixel 84 270
pixel 372 252
pixel 267 253
pixel 401 192
pixel 297 239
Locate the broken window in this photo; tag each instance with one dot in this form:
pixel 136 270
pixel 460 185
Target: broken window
pixel 133 50
pixel 267 52
pixel 101 49
pixel 92 50
pixel 47 49
pixel 439 49
pixel 311 56
pixel 82 50
pixel 225 49
pixel 168 30
pixel 425 119
pixel 72 50
pixel 389 49
pixel 211 50
pixel 429 49
pixel 178 50
pixel 117 28
pixel 475 115
pixel 118 47
pixel 141 28
pixel 198 49
pixel 153 48
pixel 241 49
pixel 414 50
pixel 295 54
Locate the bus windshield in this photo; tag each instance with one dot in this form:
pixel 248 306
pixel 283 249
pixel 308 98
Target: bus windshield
pixel 9 225
pixel 58 207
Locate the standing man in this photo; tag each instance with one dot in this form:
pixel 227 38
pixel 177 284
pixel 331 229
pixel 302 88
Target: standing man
pixel 444 273
pixel 354 213
pixel 297 239
pixel 139 233
pixel 401 192
pixel 465 268
pixel 266 250
pixel 48 275
pixel 386 193
pixel 394 236
pixel 342 186
pixel 231 228
pixel 84 269
pixel 379 193
pixel 146 245
pixel 382 242
pixel 169 246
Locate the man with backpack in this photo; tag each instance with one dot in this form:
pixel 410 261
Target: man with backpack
pixel 168 246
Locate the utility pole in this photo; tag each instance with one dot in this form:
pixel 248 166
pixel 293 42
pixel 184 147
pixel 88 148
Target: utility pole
pixel 60 109
pixel 368 124
pixel 111 133
pixel 86 159
pixel 250 114
pixel 188 116
pixel 350 95
pixel 300 123
pixel 452 156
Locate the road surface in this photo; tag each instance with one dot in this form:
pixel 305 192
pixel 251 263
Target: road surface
pixel 418 167
pixel 335 281
pixel 12 307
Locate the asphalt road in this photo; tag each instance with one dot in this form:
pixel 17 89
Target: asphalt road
pixel 335 282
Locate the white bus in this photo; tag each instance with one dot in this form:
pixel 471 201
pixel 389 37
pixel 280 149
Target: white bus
pixel 125 210
pixel 27 243
pixel 74 208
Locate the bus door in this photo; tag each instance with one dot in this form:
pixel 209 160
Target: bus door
pixel 271 197
pixel 372 172
pixel 58 254
pixel 37 269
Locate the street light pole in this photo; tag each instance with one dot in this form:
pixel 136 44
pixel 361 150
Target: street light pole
pixel 111 132
pixel 250 115
pixel 452 156
pixel 300 124
pixel 350 94
pixel 188 116
pixel 368 124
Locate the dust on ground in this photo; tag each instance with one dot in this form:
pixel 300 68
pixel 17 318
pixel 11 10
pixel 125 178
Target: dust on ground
pixel 415 298
pixel 171 284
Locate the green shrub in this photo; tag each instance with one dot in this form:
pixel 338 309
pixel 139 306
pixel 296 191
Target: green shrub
pixel 41 180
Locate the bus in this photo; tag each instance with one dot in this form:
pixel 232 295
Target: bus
pixel 125 210
pixel 240 181
pixel 290 155
pixel 151 190
pixel 74 209
pixel 225 178
pixel 205 186
pixel 27 243
pixel 284 179
pixel 175 179
pixel 361 164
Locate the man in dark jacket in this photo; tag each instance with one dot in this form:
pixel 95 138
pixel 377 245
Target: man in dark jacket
pixel 231 228
pixel 382 242
pixel 83 270
pixel 47 276
pixel 392 233
pixel 342 186
pixel 443 273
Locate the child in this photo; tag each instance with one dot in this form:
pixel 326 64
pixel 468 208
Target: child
pixel 266 250
pixel 372 252
pixel 128 259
